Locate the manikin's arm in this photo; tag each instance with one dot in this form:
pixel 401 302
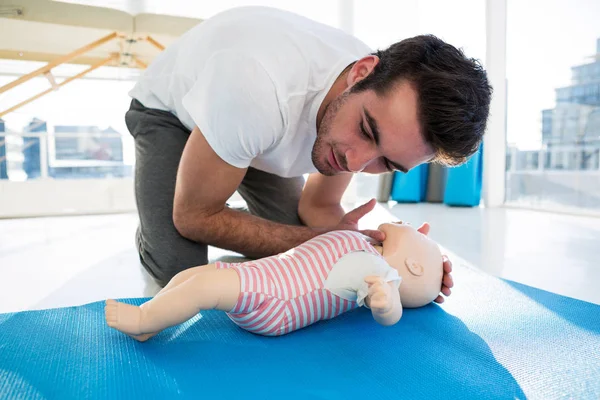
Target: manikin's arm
pixel 383 300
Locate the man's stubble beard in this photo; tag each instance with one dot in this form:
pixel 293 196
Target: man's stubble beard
pixel 320 150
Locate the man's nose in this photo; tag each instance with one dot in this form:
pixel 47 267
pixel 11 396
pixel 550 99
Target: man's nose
pixel 358 160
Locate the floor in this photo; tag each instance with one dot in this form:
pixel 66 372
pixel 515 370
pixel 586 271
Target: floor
pixel 64 261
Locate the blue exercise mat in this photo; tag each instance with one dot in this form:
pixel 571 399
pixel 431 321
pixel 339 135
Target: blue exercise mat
pixel 492 339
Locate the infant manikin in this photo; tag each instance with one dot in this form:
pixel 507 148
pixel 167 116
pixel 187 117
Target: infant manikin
pixel 317 280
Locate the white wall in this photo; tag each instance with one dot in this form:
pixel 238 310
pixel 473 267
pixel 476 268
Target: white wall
pixel 63 197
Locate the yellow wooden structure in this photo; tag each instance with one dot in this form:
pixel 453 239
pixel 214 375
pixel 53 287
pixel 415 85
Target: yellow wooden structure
pixel 57 33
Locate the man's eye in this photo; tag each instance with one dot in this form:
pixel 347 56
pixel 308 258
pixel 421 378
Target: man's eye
pixel 364 131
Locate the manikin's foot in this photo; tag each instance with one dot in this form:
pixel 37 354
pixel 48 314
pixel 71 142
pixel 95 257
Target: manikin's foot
pixel 125 318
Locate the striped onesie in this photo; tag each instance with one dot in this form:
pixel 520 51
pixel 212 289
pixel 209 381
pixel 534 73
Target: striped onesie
pixel 286 292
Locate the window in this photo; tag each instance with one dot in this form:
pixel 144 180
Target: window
pixel 552 100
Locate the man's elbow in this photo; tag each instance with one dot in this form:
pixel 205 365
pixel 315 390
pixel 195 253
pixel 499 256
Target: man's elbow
pixel 181 220
pixel 193 223
pixel 302 215
pixel 305 210
pixel 187 221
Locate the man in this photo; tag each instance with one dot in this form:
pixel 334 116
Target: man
pixel 253 98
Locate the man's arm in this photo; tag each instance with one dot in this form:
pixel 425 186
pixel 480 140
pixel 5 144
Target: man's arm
pixel 320 206
pixel 204 183
pixel 320 201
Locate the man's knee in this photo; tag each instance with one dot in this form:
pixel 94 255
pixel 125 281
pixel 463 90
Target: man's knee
pixel 163 259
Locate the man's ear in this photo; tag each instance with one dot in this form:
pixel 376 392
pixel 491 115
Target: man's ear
pixel 361 69
pixel 413 267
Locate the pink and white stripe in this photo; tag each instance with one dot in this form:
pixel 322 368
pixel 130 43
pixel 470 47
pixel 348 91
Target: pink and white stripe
pixel 285 292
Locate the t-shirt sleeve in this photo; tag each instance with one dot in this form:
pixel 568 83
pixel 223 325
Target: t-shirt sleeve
pixel 388 273
pixel 234 103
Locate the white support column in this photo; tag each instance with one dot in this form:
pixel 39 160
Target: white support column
pixel 44 155
pixel 494 157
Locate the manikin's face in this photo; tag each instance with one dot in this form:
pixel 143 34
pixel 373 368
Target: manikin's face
pixel 417 259
pixel 368 133
pixel 402 241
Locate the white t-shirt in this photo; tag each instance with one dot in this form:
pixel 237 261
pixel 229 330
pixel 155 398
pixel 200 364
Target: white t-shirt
pixel 347 277
pixel 252 79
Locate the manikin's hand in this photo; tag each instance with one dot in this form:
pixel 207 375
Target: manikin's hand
pixel 350 221
pixel 447 281
pixel 380 294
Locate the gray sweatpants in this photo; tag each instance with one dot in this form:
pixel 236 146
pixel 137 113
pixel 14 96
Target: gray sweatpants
pixel 159 142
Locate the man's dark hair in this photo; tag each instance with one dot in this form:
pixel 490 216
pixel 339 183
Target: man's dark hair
pixel 453 93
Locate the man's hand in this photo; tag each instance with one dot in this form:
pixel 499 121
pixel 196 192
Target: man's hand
pixel 447 281
pixel 350 221
pixel 380 294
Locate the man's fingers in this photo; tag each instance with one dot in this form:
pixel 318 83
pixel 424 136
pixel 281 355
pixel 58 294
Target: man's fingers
pixel 448 281
pixel 446 291
pixel 361 211
pixel 447 264
pixel 376 235
pixel 439 299
pixel 370 205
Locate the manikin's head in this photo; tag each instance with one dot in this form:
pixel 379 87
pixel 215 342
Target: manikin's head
pixel 418 260
pixel 420 100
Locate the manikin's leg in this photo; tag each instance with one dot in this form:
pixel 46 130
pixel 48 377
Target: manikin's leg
pixel 112 307
pixel 184 276
pixel 202 290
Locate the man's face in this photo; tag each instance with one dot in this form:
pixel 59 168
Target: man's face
pixel 364 132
